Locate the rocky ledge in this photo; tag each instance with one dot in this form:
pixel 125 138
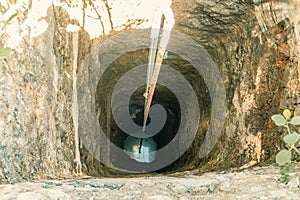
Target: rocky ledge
pixel 253 183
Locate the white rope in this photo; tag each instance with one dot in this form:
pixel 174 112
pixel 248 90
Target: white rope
pixel 154 67
pixel 151 61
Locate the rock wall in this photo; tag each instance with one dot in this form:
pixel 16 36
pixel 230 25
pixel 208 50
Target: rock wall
pixel 36 124
pixel 255 61
pixel 259 67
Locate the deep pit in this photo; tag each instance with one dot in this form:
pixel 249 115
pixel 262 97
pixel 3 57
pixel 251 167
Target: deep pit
pixel 253 45
pixel 120 53
pixel 163 96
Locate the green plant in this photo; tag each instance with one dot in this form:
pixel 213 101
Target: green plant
pixel 5 51
pixel 284 157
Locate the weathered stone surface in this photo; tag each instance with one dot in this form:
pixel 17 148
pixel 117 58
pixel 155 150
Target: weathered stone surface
pixel 261 77
pixel 36 127
pixel 255 183
pixel 255 72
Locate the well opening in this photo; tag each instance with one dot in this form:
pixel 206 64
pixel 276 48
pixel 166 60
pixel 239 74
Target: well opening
pixel 164 97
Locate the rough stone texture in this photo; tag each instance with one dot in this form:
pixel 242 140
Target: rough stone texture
pixel 256 183
pixel 36 128
pixel 261 77
pixel 255 73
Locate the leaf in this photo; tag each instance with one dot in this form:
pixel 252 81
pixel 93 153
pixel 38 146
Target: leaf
pixel 279 119
pixel 283 157
pixel 295 120
pixel 5 52
pixel 292 138
pixel 13 16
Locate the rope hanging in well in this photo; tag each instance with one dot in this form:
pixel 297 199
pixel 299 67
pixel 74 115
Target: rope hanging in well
pixel 157 52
